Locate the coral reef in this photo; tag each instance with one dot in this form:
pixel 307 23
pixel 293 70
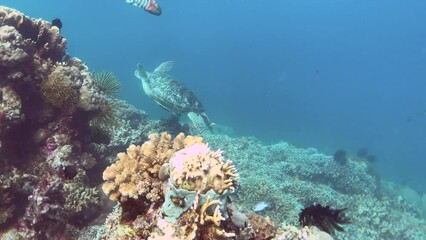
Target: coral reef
pixel 190 181
pixel 47 99
pixel 136 173
pixel 290 177
pixel 173 186
pixel 45 40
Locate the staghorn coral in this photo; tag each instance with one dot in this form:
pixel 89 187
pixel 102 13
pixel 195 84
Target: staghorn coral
pixel 135 174
pixel 79 197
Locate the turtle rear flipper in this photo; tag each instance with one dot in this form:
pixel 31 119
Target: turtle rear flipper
pixel 200 121
pixel 164 67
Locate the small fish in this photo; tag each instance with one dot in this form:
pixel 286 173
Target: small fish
pixel 261 206
pixel 150 6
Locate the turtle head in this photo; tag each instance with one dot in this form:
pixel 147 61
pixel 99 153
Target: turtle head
pixel 140 72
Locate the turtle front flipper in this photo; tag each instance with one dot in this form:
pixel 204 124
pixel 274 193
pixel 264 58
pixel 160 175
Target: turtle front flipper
pixel 143 76
pixel 200 121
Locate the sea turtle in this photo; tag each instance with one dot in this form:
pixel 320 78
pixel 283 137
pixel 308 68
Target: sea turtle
pixel 172 95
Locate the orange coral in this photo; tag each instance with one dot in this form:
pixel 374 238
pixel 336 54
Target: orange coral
pixel 136 173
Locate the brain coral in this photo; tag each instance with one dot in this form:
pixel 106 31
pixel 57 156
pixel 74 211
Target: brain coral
pixel 136 173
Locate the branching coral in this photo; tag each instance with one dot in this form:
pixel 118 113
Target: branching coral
pixel 216 217
pixel 135 174
pixel 79 197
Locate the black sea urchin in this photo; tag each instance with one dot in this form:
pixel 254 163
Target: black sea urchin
pixel 324 218
pixel 340 156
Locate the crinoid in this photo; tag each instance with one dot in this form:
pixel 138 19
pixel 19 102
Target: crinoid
pixel 324 218
pixel 107 82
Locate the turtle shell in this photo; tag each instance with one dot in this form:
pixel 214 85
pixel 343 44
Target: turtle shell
pixel 173 95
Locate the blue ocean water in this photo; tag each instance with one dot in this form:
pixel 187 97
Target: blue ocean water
pixel 323 73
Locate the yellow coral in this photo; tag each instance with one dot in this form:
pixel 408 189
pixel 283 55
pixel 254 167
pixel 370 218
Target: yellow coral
pixel 197 168
pixel 216 218
pixel 136 173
